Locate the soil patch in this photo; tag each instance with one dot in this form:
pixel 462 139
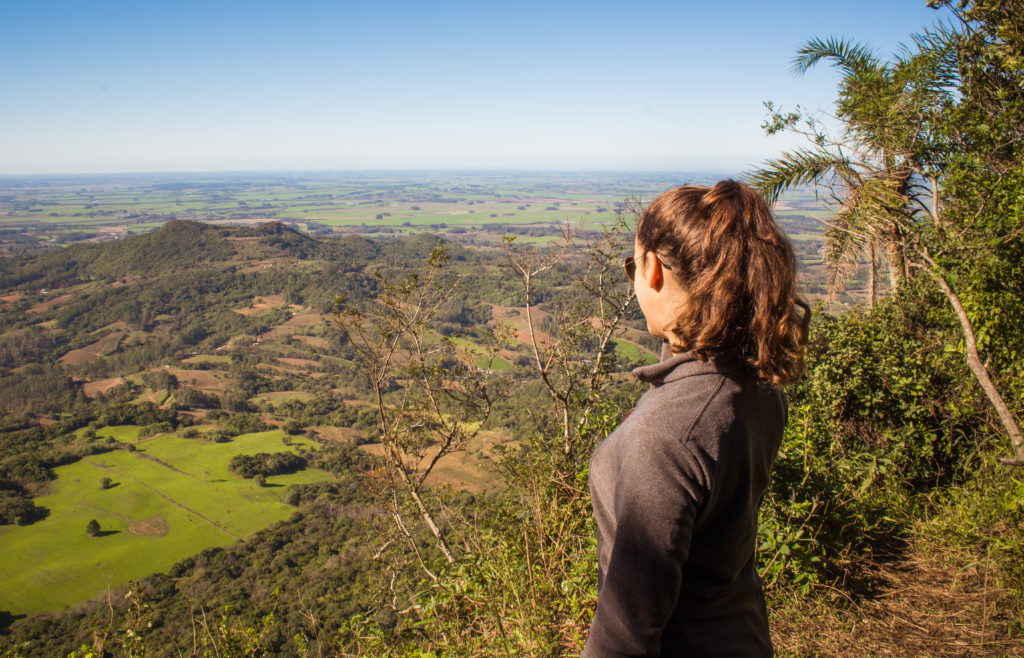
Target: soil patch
pixel 302 363
pixel 336 434
pixel 465 470
pixel 127 281
pixel 375 449
pixel 95 387
pixel 48 303
pixel 516 316
pixel 106 345
pixel 304 320
pixel 278 396
pixel 261 305
pixel 154 526
pixel 201 379
pixel 313 341
pixel 255 309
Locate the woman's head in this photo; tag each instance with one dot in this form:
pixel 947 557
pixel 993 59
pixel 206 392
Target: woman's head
pixel 737 275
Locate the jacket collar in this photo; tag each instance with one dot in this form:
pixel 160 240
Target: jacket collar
pixel 673 367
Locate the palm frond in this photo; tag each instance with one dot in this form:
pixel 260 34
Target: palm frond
pixel 867 213
pixel 842 250
pixel 853 58
pixel 934 67
pixel 798 167
pixel 888 201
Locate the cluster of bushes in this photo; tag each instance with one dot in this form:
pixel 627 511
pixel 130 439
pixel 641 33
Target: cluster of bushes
pixel 16 506
pixel 238 423
pixel 266 464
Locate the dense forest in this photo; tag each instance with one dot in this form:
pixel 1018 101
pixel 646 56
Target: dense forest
pixel 894 524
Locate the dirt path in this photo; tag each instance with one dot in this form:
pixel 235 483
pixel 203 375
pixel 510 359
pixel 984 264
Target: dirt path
pixel 918 607
pixel 169 499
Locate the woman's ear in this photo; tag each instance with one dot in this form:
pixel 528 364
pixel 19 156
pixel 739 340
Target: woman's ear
pixel 655 275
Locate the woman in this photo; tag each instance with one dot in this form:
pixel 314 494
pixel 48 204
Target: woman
pixel 676 487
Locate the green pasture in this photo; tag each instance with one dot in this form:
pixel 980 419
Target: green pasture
pixel 156 397
pixel 351 202
pixel 44 218
pixel 348 203
pixel 282 396
pixel 202 428
pixel 497 363
pixel 633 352
pixel 805 237
pixel 123 433
pixel 820 214
pixel 172 498
pixel 208 358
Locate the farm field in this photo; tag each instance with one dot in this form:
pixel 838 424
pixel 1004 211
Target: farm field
pixel 468 207
pixel 633 352
pixel 170 498
pixel 471 208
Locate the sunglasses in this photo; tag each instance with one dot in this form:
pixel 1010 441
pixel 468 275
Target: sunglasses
pixel 629 264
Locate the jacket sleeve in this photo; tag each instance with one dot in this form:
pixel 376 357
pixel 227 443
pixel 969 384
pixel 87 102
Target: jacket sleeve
pixel 662 484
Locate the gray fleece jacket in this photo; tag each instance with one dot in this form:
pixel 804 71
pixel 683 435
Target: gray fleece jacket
pixel 675 490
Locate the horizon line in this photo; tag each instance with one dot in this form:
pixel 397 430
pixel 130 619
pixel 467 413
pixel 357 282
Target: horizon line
pixel 379 170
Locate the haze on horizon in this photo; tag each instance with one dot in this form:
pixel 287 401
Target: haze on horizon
pixel 231 86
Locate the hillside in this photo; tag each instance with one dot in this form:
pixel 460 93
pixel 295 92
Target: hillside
pixel 212 339
pixel 270 474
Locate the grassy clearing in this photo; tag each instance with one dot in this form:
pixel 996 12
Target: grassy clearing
pixel 208 358
pixel 282 396
pixel 497 363
pixel 123 433
pixel 172 498
pixel 633 352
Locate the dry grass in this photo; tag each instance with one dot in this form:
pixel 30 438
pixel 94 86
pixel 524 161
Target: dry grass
pixel 261 305
pixel 93 351
pixel 310 319
pixel 97 386
pixel 299 363
pixel 336 434
pixel 468 470
pixel 916 605
pixel 312 341
pixel 516 316
pixel 49 303
pixel 154 526
pixel 202 379
pixel 127 281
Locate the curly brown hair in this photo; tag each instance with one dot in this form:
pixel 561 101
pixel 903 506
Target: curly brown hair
pixel 723 246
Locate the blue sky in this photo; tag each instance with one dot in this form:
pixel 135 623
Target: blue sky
pixel 147 85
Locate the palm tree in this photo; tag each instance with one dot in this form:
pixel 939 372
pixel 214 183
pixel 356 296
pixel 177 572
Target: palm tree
pixel 868 172
pixel 885 170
